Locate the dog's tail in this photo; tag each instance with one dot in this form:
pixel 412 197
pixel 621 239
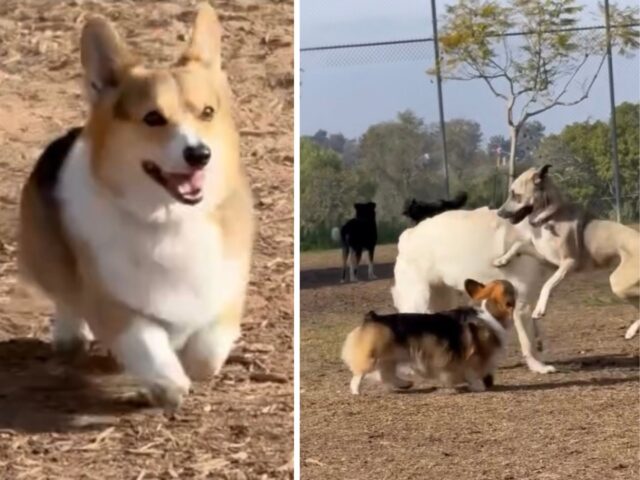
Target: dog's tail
pixel 457 202
pixel 418 211
pixel 335 235
pixel 364 344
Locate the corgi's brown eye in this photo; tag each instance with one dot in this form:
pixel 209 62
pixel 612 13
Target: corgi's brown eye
pixel 516 196
pixel 207 113
pixel 154 119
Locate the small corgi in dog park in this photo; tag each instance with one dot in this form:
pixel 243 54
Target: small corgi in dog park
pixel 455 347
pixel 139 225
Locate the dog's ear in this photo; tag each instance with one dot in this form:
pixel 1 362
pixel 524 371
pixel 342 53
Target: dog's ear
pixel 473 287
pixel 104 57
pixel 541 174
pixel 205 44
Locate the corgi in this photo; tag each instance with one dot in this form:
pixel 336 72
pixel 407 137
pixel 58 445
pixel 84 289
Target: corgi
pixel 455 347
pixel 139 225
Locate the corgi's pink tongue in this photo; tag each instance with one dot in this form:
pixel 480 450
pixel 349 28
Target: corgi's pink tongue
pixel 186 183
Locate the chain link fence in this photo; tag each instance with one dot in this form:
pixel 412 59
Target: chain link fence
pixel 374 105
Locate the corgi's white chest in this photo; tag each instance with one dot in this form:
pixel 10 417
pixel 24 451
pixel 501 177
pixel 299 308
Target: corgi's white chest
pixel 174 272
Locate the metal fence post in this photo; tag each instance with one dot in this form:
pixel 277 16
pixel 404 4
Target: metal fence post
pixel 443 133
pixel 612 125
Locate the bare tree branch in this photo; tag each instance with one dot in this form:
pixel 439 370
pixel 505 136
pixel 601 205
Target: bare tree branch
pixel 557 101
pixel 536 80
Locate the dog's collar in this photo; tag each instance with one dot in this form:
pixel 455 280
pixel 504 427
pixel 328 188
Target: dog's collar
pixel 492 323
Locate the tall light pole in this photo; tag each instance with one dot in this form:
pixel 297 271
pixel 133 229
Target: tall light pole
pixel 443 133
pixel 612 100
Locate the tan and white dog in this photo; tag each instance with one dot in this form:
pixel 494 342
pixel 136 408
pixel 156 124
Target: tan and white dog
pixel 566 236
pixel 139 226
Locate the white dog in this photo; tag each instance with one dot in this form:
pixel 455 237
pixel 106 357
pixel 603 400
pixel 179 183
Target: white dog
pixel 436 256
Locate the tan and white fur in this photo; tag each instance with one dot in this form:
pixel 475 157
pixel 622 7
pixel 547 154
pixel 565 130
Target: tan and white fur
pixel 135 245
pixel 564 235
pixel 460 346
pixel 436 257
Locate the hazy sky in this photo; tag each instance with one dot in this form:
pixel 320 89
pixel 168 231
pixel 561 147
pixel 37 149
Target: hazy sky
pixel 350 98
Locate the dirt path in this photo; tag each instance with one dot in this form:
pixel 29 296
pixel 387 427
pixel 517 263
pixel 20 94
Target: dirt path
pixel 59 422
pixel 581 423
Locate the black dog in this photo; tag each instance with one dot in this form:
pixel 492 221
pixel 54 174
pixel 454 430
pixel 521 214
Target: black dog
pixel 418 211
pixel 358 234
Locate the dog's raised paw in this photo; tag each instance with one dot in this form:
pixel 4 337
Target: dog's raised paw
pixel 632 330
pixel 538 312
pixel 500 262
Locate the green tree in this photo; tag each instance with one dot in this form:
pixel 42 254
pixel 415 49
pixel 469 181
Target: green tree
pixel 463 141
pixel 393 155
pixel 536 75
pixel 328 190
pixel 580 156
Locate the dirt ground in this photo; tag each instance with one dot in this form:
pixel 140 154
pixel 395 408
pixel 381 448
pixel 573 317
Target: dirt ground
pixel 580 423
pixel 74 422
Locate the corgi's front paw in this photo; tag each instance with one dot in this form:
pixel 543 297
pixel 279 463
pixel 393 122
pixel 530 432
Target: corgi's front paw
pixel 169 397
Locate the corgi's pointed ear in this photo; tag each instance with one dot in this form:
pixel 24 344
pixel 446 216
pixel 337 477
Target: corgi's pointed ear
pixel 103 55
pixel 473 287
pixel 205 44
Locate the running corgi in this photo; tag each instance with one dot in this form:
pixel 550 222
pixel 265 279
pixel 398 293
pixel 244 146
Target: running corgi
pixel 139 225
pixel 457 346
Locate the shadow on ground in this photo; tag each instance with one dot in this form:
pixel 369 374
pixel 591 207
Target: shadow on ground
pixel 325 277
pixel 41 393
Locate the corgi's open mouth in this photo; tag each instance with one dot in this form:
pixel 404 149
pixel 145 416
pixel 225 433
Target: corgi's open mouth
pixel 184 187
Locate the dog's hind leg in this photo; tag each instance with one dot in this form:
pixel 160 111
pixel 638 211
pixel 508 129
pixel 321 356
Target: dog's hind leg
pixel 354 385
pixel 354 257
pixel 410 293
pixel 525 330
pixel 625 284
pixel 625 280
pixel 71 334
pixel 345 258
pixel 475 383
pixel 440 298
pixel 632 330
pixel 370 252
pixel 389 376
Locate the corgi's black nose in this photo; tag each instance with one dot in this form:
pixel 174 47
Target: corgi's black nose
pixel 197 155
